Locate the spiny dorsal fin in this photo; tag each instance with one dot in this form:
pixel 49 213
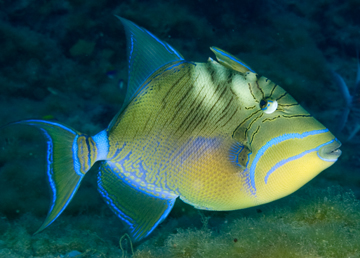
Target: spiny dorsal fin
pixel 230 61
pixel 146 54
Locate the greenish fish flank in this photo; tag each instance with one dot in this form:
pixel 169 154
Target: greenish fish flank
pixel 215 134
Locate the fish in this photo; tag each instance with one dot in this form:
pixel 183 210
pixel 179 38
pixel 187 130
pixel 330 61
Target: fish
pixel 215 134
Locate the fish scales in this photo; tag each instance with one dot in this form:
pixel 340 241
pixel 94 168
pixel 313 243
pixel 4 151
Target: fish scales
pixel 207 98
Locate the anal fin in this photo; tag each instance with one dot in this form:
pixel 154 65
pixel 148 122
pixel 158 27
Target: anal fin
pixel 140 212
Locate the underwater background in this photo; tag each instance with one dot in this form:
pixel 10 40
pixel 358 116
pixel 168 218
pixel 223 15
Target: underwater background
pixel 66 61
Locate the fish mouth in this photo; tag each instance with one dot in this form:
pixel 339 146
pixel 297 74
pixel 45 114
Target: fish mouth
pixel 330 152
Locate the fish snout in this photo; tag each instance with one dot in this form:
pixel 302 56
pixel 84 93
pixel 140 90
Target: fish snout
pixel 330 152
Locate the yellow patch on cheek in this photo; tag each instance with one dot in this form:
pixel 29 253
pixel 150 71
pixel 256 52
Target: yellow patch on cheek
pixel 289 177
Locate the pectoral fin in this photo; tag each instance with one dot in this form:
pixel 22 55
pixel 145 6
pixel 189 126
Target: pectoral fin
pixel 139 211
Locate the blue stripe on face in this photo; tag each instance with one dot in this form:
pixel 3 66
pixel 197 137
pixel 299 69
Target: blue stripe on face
pixel 274 142
pixel 284 161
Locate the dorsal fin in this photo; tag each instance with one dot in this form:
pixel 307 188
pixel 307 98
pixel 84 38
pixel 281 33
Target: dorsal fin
pixel 230 61
pixel 146 54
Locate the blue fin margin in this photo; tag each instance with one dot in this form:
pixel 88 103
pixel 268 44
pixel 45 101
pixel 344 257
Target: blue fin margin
pixel 63 178
pixel 146 54
pixel 140 211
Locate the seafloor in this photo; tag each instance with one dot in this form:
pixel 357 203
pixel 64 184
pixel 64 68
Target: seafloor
pixel 66 60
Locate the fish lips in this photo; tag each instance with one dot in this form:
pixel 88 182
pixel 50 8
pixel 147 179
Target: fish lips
pixel 330 151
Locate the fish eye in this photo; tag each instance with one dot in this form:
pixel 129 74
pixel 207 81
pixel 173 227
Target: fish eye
pixel 268 106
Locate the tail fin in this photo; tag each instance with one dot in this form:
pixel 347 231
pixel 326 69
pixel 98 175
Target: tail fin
pixel 69 156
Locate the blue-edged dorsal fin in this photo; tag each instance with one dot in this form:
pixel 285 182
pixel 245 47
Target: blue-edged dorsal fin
pixel 230 61
pixel 146 54
pixel 140 211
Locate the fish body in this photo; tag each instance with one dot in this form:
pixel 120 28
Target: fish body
pixel 215 134
pixel 202 134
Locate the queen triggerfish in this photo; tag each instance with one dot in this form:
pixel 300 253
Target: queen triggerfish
pixel 215 134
